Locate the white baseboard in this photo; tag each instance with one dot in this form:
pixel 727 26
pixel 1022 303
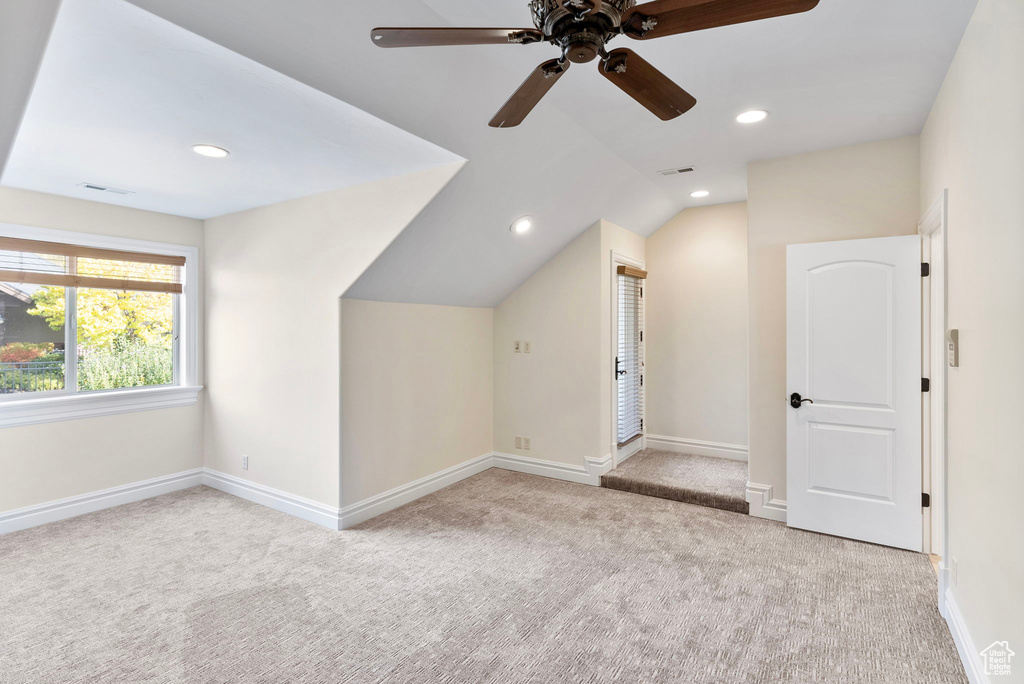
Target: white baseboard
pixel 965 645
pixel 697 447
pixel 589 474
pixel 762 505
pixel 332 518
pixel 399 496
pixel 300 507
pixel 24 518
pixel 597 467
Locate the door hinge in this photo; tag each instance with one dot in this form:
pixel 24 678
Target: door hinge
pixel 641 423
pixel 641 335
pixel 926 270
pixel 926 385
pixel 926 500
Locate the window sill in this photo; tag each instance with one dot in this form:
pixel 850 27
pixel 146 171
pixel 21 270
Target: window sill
pixel 76 406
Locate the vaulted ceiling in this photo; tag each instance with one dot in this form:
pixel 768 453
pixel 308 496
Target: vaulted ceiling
pixel 847 72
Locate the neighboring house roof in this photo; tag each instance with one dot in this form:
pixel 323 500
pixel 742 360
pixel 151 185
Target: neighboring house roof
pixel 18 291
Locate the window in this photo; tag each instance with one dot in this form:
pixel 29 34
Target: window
pixel 94 328
pixel 629 361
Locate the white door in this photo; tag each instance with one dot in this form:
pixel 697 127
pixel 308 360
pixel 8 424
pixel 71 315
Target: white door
pixel 854 359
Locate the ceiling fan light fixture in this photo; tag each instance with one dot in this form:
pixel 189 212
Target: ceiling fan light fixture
pixel 699 194
pixel 753 116
pixel 210 151
pixel 521 225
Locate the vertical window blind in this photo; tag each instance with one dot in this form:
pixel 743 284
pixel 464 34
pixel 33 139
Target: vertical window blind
pixel 629 362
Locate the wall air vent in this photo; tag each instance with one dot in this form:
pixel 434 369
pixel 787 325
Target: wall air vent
pixel 677 171
pixel 104 188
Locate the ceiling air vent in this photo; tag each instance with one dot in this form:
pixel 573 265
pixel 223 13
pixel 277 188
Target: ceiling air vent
pixel 104 188
pixel 678 171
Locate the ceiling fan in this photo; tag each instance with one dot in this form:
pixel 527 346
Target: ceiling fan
pixel 581 28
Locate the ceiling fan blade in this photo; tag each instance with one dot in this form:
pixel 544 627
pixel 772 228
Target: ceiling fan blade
pixel 668 17
pixel 421 37
pixel 529 94
pixel 645 84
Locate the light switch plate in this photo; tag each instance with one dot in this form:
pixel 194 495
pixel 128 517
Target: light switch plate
pixel 526 443
pixel 953 348
pixel 519 442
pixel 518 346
pixel 526 347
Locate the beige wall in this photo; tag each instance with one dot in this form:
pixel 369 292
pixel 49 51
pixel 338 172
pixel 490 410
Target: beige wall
pixel 551 395
pixel 559 395
pixel 862 191
pixel 696 317
pixel 416 392
pixel 42 463
pixel 276 276
pixel 973 144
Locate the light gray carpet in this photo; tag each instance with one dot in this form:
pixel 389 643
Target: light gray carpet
pixel 503 577
pixel 702 480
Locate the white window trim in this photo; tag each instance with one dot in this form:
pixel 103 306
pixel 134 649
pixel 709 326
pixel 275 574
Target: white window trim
pixel 60 407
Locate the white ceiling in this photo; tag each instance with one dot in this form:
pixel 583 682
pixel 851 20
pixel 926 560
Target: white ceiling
pixel 844 73
pixel 122 96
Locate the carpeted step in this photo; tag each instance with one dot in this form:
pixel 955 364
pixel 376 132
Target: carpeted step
pixel 701 480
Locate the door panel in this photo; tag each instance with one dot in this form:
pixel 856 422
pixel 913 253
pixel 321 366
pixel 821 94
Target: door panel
pixel 850 316
pixel 854 350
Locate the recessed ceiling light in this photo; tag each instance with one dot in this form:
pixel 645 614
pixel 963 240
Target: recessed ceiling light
pixel 753 116
pixel 210 151
pixel 521 225
pixel 698 194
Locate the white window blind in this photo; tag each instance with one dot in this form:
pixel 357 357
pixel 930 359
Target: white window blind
pixel 629 365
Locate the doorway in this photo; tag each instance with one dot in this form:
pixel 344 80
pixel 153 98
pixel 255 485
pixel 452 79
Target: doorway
pixel 628 345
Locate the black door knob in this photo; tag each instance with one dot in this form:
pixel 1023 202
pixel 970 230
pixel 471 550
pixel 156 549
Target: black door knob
pixel 796 402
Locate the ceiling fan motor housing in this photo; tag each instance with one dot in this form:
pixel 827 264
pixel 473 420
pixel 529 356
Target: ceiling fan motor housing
pixel 581 36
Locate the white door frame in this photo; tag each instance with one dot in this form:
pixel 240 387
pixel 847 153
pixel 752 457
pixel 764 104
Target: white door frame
pixel 613 387
pixel 934 229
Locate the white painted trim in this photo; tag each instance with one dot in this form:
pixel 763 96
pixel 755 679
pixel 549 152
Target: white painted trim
pixel 399 496
pixel 934 228
pixel 300 507
pixel 735 452
pixel 306 509
pixel 965 646
pixel 53 409
pixel 24 518
pixel 762 505
pixel 535 466
pixel 596 467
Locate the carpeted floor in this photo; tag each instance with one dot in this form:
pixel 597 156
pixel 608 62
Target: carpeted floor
pixel 702 480
pixel 502 577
